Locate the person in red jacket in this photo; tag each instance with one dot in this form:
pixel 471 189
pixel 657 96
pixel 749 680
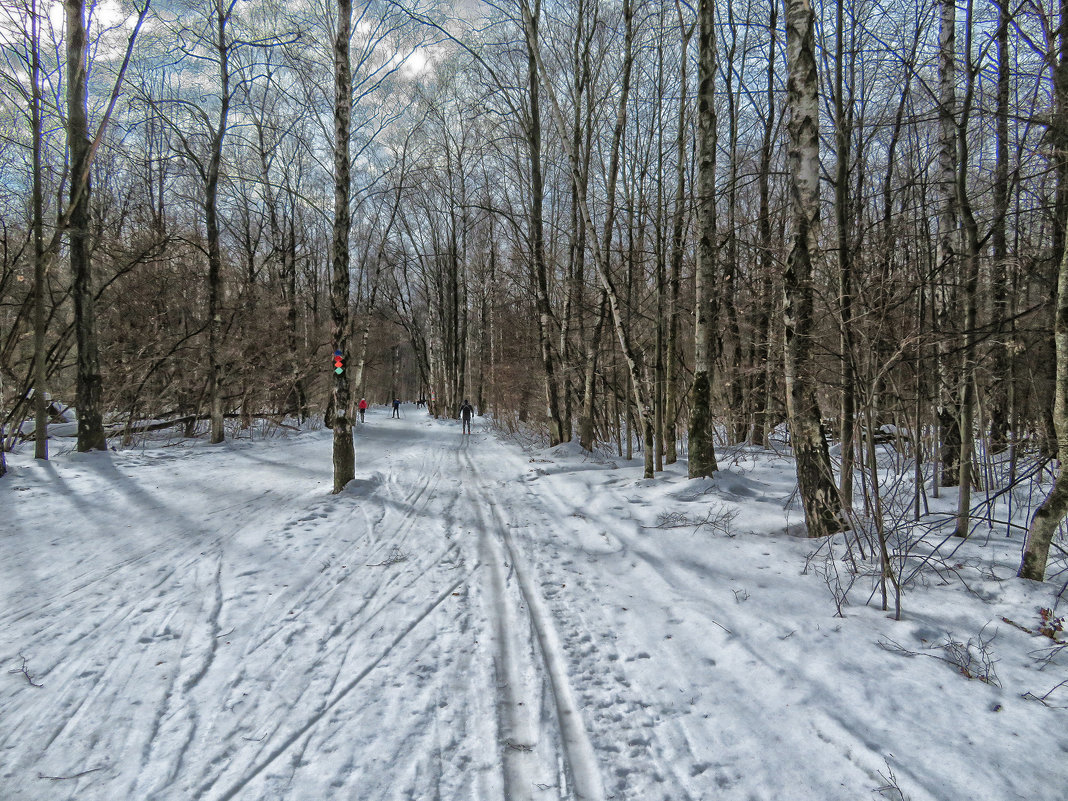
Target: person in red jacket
pixel 363 408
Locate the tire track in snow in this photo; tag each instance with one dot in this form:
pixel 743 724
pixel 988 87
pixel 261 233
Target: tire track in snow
pixel 580 762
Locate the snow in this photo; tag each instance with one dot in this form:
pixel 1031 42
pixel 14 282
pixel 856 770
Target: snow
pixel 472 619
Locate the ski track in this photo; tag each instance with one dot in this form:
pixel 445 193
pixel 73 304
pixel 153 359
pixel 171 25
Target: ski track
pixel 580 769
pixel 436 631
pixel 340 596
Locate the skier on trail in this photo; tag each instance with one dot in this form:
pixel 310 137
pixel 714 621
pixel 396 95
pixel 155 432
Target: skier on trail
pixel 363 408
pixel 396 408
pixel 466 410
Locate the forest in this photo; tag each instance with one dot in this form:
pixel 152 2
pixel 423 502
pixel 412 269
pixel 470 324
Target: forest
pixel 652 227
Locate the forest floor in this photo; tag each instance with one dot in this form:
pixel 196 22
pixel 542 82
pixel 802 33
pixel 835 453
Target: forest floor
pixel 475 619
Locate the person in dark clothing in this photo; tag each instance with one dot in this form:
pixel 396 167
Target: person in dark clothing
pixel 466 410
pixel 396 407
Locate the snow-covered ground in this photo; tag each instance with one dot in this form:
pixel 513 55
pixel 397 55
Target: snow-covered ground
pixel 472 620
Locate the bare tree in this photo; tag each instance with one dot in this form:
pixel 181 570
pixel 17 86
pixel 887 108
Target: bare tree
pixel 678 220
pixel 90 383
pixel 40 326
pixel 344 450
pixel 765 331
pixel 815 478
pixel 557 434
pixel 947 247
pixel 969 263
pixel 1051 513
pixel 1001 355
pixel 702 426
pixel 843 132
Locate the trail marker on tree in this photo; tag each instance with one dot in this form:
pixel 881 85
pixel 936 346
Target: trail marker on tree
pixel 339 362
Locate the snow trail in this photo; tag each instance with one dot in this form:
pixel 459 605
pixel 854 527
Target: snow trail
pixel 471 622
pixel 302 730
pixel 580 762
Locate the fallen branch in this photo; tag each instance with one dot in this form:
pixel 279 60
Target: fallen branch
pixel 1029 696
pixel 972 660
pixel 68 778
pixel 25 672
pixel 395 556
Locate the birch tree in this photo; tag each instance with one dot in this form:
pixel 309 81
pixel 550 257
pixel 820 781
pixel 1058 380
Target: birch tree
pixel 815 478
pixel 1051 513
pixel 702 426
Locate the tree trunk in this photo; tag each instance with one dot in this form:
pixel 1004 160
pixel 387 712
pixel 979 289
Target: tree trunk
pixel 1048 518
pixel 593 346
pixel 574 303
pixel 734 386
pixel 89 382
pixel 540 270
pixel 843 125
pixel 601 253
pixel 946 262
pixel 344 451
pixel 40 351
pixel 211 221
pixel 815 478
pixel 1058 150
pixel 1000 355
pixel 702 429
pixel 677 248
pixel 763 424
pixel 289 259
pixel 970 274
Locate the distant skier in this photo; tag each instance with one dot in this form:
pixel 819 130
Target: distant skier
pixel 396 408
pixel 466 410
pixel 363 408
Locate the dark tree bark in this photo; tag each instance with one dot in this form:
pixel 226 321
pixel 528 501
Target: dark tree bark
pixel 89 381
pixel 969 264
pixel 731 357
pixel 762 400
pixel 593 346
pixel 1058 139
pixel 211 223
pixel 344 451
pixel 1000 355
pixel 702 428
pixel 40 326
pixel 538 265
pixel 843 133
pixel 677 247
pixel 946 251
pixel 1048 518
pixel 815 478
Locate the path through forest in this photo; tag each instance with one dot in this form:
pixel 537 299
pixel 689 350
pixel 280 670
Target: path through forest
pixel 466 621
